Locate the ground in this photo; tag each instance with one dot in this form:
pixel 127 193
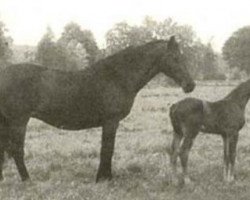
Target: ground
pixel 63 164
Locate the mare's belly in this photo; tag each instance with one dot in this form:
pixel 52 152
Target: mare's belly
pixel 69 121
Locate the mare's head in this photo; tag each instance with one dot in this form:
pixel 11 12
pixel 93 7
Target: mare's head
pixel 173 64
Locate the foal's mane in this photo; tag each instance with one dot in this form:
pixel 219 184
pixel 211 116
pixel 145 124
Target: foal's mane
pixel 240 90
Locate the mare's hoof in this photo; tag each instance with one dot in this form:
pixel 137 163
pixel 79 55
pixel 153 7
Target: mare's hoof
pixel 103 177
pixel 174 180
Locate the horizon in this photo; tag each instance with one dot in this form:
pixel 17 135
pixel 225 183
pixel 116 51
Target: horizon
pixel 213 21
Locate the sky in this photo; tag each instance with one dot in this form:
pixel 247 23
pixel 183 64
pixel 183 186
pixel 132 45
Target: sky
pixel 213 20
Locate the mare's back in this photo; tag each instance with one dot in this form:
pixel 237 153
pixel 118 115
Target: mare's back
pixel 19 78
pixel 18 86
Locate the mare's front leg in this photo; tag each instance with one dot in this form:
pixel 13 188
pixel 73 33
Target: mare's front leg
pixel 230 143
pixel 3 147
pixel 17 133
pixel 107 149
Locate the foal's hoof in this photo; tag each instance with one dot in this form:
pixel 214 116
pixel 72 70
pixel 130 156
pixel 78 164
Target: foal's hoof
pixel 26 179
pixel 28 182
pixel 229 179
pixel 187 180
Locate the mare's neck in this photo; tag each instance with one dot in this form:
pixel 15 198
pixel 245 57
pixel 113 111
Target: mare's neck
pixel 240 95
pixel 133 69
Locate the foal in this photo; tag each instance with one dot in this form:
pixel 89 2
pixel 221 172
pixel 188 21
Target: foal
pixel 224 117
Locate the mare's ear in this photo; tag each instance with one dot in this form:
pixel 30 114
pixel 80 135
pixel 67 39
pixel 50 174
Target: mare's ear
pixel 172 42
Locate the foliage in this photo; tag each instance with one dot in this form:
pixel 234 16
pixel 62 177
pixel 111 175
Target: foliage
pixel 46 49
pixel 201 58
pixel 236 50
pixel 73 35
pixel 210 68
pixel 23 53
pixel 77 56
pixel 74 50
pixel 5 46
pixel 124 35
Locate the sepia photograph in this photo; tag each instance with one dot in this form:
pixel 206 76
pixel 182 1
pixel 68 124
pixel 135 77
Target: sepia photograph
pixel 124 100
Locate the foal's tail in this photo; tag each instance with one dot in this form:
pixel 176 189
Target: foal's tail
pixel 173 114
pixel 175 118
pixel 172 111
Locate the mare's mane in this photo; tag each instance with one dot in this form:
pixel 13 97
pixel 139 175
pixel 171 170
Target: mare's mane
pixel 131 51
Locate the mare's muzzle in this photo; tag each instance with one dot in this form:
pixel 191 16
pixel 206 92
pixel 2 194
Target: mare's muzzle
pixel 188 86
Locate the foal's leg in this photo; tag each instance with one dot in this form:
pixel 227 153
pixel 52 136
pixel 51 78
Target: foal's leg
pixel 175 149
pixel 226 156
pixel 107 149
pixel 186 146
pixel 232 156
pixel 17 137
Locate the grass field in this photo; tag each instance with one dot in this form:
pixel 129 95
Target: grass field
pixel 63 164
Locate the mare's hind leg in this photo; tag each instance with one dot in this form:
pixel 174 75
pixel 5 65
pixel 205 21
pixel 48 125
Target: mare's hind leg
pixel 189 136
pixel 17 137
pixel 4 134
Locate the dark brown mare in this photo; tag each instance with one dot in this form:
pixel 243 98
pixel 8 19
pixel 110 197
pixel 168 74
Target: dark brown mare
pixel 100 95
pixel 224 117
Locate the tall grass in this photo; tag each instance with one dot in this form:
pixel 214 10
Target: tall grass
pixel 63 164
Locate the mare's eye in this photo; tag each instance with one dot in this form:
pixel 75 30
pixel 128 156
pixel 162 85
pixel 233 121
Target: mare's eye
pixel 176 59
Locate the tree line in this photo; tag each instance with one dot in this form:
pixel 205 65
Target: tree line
pixel 77 48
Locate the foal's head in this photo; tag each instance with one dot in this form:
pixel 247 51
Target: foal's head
pixel 173 64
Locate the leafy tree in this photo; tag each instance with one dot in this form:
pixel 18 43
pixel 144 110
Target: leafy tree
pixel 5 46
pixel 23 53
pixel 77 56
pixel 74 34
pixel 236 50
pixel 210 68
pixel 201 59
pixel 46 50
pixel 118 37
pixel 65 54
pixel 50 54
pixel 29 55
pixel 123 35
